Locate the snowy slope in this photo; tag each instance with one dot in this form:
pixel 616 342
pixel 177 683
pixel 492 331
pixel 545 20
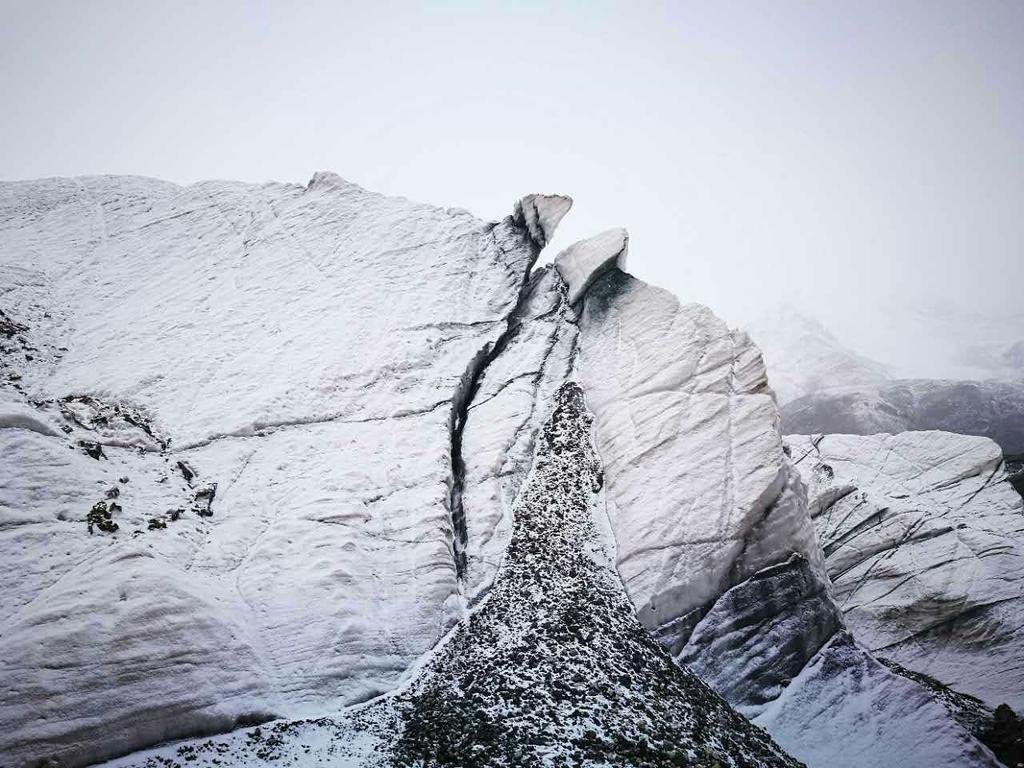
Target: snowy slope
pixel 924 541
pixel 826 388
pixel 941 343
pixel 992 409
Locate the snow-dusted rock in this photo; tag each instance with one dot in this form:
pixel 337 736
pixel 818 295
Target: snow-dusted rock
pixel 248 395
pixel 582 263
pixel 1015 472
pixel 552 668
pixel 924 541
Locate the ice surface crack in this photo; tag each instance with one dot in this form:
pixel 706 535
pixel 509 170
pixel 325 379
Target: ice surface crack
pixel 462 400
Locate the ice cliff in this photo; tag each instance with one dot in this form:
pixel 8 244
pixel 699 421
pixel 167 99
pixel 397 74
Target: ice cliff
pixel 924 543
pixel 552 667
pixel 266 451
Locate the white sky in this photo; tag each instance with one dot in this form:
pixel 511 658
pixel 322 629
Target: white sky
pixel 843 157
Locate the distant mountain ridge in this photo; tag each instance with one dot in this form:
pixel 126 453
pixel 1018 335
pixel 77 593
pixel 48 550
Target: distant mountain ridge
pixel 992 409
pixel 825 387
pixel 803 356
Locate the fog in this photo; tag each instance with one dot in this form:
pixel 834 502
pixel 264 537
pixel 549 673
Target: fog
pixel 861 161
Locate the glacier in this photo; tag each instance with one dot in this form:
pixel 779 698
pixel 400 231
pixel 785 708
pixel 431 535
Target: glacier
pixel 270 452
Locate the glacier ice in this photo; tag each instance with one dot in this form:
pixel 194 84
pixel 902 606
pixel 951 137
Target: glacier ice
pixel 582 263
pixel 513 397
pixel 552 667
pixel 540 215
pixel 847 710
pixel 311 412
pixel 686 427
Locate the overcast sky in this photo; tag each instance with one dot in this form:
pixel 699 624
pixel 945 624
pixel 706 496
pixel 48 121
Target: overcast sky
pixel 843 157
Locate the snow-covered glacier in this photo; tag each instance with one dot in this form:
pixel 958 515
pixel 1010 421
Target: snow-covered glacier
pixel 273 451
